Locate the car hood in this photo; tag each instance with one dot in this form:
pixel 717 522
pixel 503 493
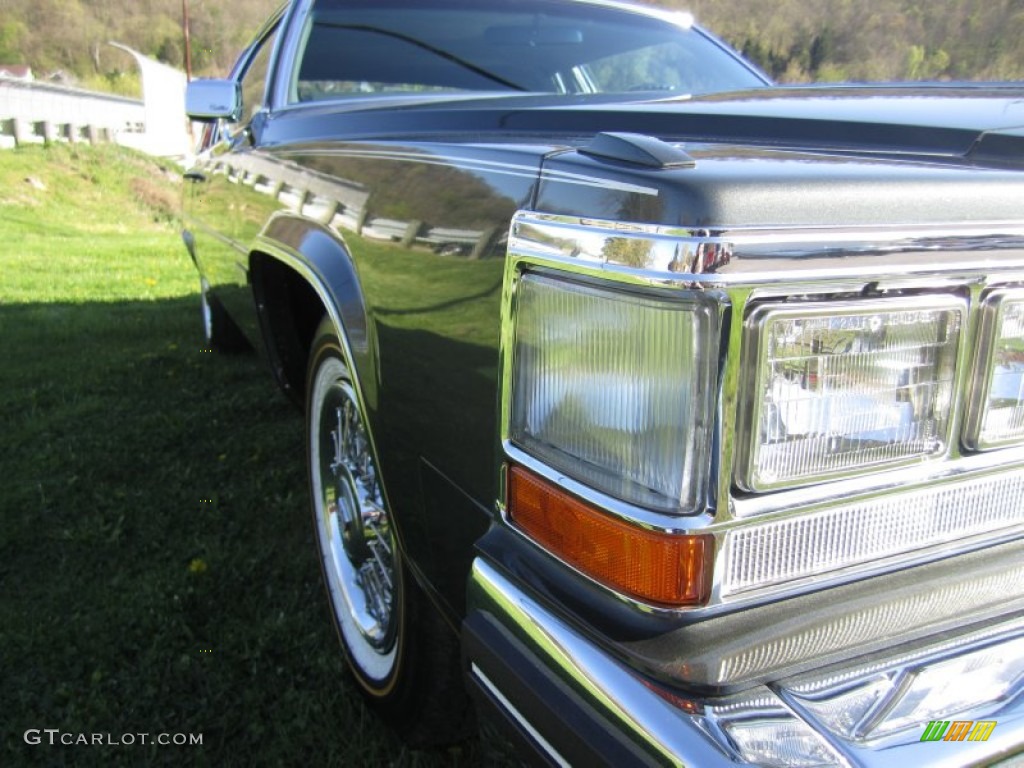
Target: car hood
pixel 918 120
pixel 983 123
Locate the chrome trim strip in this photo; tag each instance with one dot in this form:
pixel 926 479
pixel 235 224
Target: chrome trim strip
pixel 610 690
pixel 991 311
pixel 731 256
pixel 510 709
pixel 662 522
pixel 771 235
pixel 288 47
pixel 884 483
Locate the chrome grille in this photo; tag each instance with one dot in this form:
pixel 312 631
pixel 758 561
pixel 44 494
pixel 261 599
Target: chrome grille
pixel 772 552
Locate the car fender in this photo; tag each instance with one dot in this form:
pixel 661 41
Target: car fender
pixel 320 258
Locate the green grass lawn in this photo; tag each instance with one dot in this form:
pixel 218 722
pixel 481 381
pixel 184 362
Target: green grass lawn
pixel 156 561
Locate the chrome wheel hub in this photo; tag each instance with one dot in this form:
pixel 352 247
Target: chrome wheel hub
pixel 353 527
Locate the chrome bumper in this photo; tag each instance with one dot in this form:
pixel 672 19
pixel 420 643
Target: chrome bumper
pixel 573 703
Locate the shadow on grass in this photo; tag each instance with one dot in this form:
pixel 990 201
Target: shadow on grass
pixel 155 554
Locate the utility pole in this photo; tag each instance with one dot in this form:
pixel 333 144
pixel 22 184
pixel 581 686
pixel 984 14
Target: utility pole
pixel 185 25
pixel 186 29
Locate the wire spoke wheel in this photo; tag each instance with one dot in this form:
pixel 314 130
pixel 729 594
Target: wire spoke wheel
pixel 398 647
pixel 357 545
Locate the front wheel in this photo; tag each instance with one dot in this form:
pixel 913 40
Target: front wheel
pixel 401 654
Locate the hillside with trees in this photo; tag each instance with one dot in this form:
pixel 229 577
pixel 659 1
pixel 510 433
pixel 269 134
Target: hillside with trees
pixel 871 40
pixel 793 40
pixel 71 36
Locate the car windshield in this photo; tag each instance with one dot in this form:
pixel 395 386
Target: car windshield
pixel 354 47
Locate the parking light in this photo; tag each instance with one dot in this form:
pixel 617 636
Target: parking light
pixel 654 566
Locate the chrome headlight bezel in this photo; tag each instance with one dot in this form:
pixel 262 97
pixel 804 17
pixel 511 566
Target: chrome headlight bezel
pixel 994 307
pixel 748 474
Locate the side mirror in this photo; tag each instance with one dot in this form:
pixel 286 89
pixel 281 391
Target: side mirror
pixel 209 100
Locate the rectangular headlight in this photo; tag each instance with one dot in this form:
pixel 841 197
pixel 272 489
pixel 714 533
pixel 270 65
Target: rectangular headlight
pixel 996 415
pixel 615 389
pixel 844 387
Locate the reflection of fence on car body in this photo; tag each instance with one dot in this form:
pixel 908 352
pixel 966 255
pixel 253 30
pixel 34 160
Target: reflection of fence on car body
pixel 344 204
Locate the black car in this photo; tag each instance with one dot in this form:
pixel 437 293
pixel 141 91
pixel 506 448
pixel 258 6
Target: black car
pixel 670 415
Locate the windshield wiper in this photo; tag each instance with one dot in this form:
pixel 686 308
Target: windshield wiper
pixel 447 55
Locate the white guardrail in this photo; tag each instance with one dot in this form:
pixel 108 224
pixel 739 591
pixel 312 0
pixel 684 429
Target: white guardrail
pixel 36 112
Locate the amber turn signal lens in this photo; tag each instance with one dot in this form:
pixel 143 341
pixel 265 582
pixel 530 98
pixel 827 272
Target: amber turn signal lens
pixel 655 567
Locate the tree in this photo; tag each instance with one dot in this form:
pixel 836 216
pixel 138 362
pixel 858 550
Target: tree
pixel 12 32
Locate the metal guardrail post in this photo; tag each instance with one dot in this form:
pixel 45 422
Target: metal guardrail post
pixel 411 232
pixel 22 131
pixel 483 242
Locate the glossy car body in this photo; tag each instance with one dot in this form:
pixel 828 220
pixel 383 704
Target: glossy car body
pixel 851 538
